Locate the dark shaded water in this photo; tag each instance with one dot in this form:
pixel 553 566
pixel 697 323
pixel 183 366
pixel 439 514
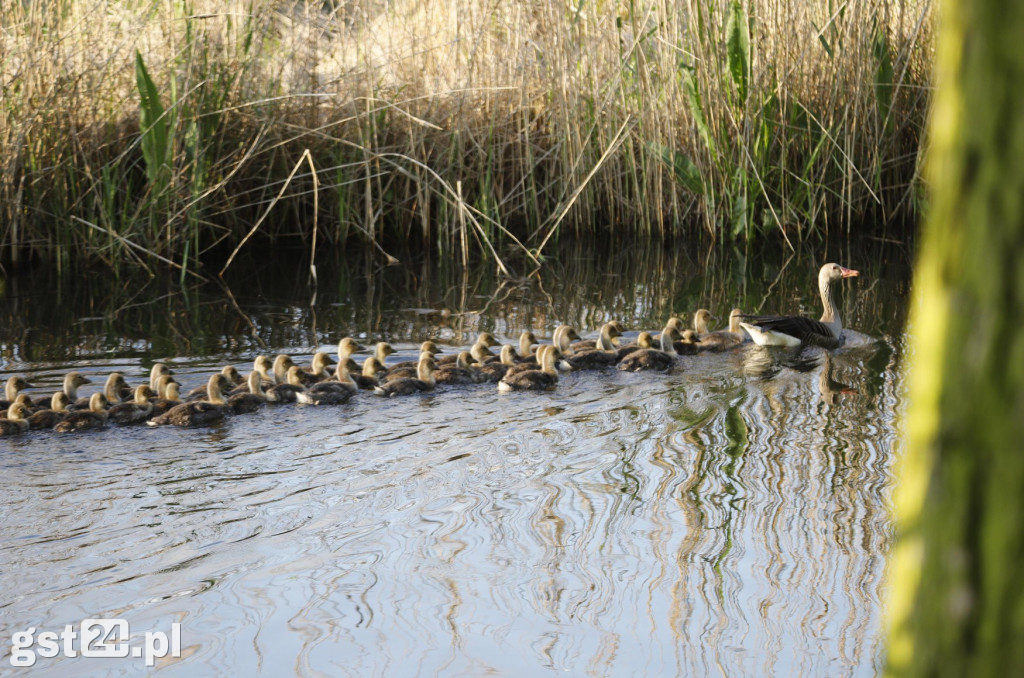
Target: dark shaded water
pixel 730 518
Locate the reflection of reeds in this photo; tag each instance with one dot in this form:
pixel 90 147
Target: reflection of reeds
pixel 171 128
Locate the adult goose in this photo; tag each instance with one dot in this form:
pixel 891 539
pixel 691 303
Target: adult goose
pixel 795 330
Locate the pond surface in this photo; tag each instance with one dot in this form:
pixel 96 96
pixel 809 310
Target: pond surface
pixel 730 518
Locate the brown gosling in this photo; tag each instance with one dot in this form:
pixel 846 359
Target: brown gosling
pixel 94 417
pixel 158 370
pixel 282 363
pixel 723 340
pixel 459 373
pixel 288 391
pixel 167 395
pixel 423 382
pixel 651 358
pixel 346 347
pixel 198 412
pixel 230 372
pixel 137 411
pixel 318 371
pixel 49 418
pixel 264 367
pixel 16 421
pixel 544 379
pixel 702 320
pixel 72 380
pixel 250 401
pixel 406 369
pixel 12 388
pixel 373 371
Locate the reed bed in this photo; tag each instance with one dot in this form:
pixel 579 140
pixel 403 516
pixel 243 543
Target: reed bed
pixel 162 133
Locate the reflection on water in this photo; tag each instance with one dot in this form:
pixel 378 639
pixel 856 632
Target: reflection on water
pixel 727 518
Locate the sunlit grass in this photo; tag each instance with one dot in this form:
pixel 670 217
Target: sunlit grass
pixel 132 130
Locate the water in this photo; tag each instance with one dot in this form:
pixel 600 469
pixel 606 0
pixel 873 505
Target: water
pixel 730 518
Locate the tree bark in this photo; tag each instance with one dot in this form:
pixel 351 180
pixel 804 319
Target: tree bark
pixel 956 598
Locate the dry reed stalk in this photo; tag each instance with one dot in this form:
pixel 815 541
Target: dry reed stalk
pixel 744 118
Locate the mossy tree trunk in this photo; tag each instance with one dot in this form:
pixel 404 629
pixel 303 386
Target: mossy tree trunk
pixel 956 603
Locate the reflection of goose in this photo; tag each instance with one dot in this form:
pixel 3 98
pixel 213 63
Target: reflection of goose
pixel 796 330
pixel 829 388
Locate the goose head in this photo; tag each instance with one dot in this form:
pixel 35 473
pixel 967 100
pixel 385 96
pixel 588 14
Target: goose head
pixel 282 363
pixel 98 403
pixel 480 352
pixel 143 393
pixel 735 317
pixel 216 386
pixel 255 383
pixel 669 335
pixel 487 339
pixel 430 347
pixel 372 367
pixel 384 349
pixel 18 412
pixel 702 320
pixel 527 343
pixel 158 370
pixel 72 380
pixel 508 354
pixel 14 385
pixel 233 375
pixel 346 347
pixel 59 402
pixel 264 367
pixel 321 361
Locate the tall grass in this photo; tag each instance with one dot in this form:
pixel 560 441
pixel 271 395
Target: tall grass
pixel 153 132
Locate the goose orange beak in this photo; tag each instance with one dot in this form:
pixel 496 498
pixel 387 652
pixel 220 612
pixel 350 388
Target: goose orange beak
pixel 849 272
